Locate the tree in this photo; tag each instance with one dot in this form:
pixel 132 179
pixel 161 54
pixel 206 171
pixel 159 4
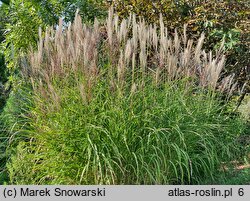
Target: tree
pixel 6 1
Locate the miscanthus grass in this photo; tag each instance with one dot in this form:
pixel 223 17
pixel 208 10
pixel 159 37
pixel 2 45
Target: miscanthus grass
pixel 128 105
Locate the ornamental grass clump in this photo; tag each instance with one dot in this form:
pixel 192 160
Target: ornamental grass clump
pixel 127 105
